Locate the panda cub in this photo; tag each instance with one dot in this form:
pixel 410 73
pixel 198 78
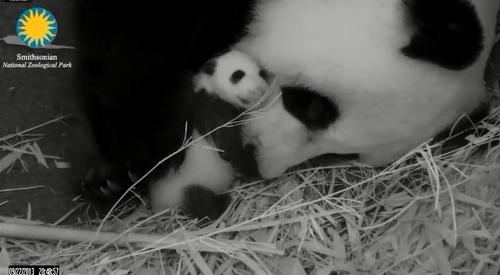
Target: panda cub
pixel 216 158
pixel 234 77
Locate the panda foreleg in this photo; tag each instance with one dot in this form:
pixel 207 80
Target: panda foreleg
pixel 197 184
pixel 446 32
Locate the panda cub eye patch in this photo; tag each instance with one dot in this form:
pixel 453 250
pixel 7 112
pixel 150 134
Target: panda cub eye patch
pixel 263 74
pixel 237 76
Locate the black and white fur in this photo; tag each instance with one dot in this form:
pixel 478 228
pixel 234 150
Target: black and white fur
pixel 226 87
pixel 233 77
pixel 361 79
pixel 397 73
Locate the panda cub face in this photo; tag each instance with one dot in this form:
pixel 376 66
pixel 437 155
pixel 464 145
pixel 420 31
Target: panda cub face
pixel 234 77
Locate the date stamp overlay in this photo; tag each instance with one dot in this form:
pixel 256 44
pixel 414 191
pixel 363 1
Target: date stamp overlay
pixel 33 270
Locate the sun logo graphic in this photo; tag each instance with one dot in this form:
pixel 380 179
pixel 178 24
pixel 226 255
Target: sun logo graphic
pixel 36 27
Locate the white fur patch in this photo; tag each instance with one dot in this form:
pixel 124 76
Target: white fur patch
pixel 202 166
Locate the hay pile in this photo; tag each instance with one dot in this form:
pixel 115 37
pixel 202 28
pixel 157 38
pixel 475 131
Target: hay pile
pixel 429 213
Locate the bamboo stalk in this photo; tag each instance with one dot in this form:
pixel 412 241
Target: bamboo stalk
pixel 48 233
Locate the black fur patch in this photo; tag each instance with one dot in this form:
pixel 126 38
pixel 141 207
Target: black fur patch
pixel 332 159
pixel 454 136
pixel 315 111
pixel 264 74
pixel 209 67
pixel 448 32
pixel 201 202
pixel 210 112
pixel 237 76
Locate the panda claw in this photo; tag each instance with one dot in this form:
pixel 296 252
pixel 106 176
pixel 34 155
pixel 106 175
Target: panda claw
pixel 132 177
pixel 113 187
pixel 106 181
pixel 104 192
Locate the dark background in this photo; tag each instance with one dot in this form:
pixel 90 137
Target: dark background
pixel 29 97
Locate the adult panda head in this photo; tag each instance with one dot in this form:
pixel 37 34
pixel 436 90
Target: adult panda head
pixel 365 79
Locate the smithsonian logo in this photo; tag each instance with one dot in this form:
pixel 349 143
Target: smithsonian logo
pixel 36 27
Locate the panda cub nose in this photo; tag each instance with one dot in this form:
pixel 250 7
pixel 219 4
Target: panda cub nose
pixel 252 86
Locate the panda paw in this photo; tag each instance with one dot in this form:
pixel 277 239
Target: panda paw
pixel 106 182
pixel 201 202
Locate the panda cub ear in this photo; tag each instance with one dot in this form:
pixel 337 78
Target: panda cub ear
pixel 209 67
pixel 202 81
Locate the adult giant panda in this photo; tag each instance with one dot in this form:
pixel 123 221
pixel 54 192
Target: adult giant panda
pixel 363 79
pixel 397 73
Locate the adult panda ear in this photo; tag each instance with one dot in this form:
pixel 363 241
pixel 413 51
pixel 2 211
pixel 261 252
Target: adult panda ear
pixel 447 32
pixel 209 67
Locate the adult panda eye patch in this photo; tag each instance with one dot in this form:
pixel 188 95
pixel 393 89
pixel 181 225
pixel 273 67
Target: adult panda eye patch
pixel 316 112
